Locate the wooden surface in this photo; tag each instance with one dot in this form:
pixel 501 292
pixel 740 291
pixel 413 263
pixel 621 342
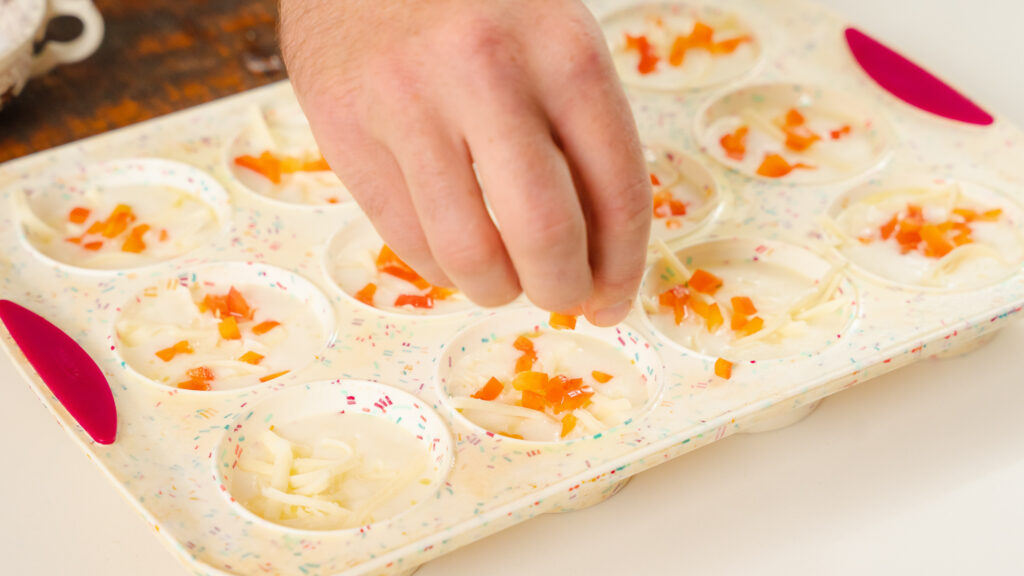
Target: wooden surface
pixel 158 56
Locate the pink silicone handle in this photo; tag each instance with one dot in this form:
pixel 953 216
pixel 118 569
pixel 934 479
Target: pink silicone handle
pixel 911 83
pixel 69 372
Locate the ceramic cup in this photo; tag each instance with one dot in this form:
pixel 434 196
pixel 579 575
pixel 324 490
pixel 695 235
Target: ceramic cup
pixel 23 22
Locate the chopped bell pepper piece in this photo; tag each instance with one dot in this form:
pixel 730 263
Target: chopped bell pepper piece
pixel 735 143
pixel 79 215
pixel 415 300
pixel 705 282
pixel 134 242
pixel 490 391
pixel 529 380
pixel 775 166
pixel 228 328
pixel 251 357
pixel 751 327
pixel 366 293
pixel 601 377
pixel 723 368
pixel 389 263
pixel 568 424
pixel 273 376
pixel 562 321
pixel 168 354
pixel 264 327
pixel 237 306
pixel 648 59
pixel 533 401
pixel 743 305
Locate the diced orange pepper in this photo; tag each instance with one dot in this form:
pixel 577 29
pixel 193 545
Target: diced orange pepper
pixel 967 214
pixel 889 228
pixel 775 166
pixel 237 306
pixel 415 300
pixel 556 388
pixel 273 376
pixel 991 215
pixel 914 214
pixel 568 424
pixel 794 118
pixel 962 238
pixel 562 321
pixel 800 138
pixel 513 436
pixel 96 227
pixel 844 131
pixel 701 34
pixel 228 328
pixel 318 165
pixel 523 344
pixel 936 245
pixel 74 239
pixel 264 327
pixel 601 377
pixel 366 293
pixel 705 282
pixel 654 180
pixel 533 400
pixel 751 327
pixel 163 235
pixel 200 373
pixel 739 321
pixel 79 215
pixel 735 143
pixel 134 242
pixel 729 46
pixel 251 357
pixel 576 396
pixel 439 293
pixel 648 59
pixel 389 263
pixel 666 205
pixel 168 354
pixel 743 305
pixel 218 305
pixel 723 368
pixel 93 246
pixel 533 381
pixel 490 391
pixel 118 221
pixel 525 362
pixel 197 385
pixel 673 224
pixel 714 318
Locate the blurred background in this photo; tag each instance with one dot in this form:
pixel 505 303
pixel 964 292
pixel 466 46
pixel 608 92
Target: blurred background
pixel 158 56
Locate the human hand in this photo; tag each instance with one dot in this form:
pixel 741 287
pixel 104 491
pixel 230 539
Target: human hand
pixel 405 96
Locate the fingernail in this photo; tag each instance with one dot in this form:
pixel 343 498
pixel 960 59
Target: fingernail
pixel 613 314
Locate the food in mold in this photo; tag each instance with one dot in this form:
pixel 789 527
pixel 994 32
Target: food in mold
pixel 738 300
pixel 545 382
pixel 365 268
pixel 685 193
pixel 276 156
pixel 791 133
pixel 213 333
pixel 929 232
pixel 122 215
pixel 671 46
pixel 334 456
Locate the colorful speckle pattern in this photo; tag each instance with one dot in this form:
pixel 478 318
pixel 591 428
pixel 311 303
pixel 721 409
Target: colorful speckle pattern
pixel 164 458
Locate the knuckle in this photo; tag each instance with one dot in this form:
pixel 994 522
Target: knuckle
pixel 583 59
pixel 550 232
pixel 466 256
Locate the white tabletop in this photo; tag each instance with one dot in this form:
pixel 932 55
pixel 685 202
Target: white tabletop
pixel 918 472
